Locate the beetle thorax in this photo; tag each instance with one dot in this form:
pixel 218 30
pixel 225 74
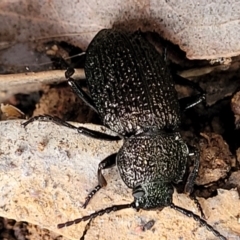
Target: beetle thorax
pixel 153 157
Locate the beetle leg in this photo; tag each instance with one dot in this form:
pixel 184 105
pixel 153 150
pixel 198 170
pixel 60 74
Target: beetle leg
pixel 185 82
pixel 192 177
pixel 193 174
pixel 85 131
pixel 78 90
pixel 189 102
pixel 81 94
pixel 87 227
pixel 98 135
pixel 198 205
pixel 108 162
pixel 69 72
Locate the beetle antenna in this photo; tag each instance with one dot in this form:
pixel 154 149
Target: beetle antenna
pixel 90 195
pixel 198 219
pixel 113 208
pixel 86 229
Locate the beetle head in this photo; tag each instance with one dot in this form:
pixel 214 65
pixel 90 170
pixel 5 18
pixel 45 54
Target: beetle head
pixel 152 195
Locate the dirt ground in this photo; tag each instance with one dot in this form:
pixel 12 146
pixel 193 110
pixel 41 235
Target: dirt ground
pixel 212 127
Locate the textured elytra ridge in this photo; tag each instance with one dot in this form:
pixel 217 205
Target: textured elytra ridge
pixel 130 83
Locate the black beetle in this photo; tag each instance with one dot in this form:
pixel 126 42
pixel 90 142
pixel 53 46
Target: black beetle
pixel 133 91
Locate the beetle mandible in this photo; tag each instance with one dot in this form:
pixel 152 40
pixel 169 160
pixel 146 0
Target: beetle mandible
pixel 133 92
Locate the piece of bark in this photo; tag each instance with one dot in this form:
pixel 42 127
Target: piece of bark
pixel 46 172
pixel 216 159
pixel 32 81
pixel 203 29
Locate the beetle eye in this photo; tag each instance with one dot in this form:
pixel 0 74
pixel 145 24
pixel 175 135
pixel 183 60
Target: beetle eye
pixel 138 192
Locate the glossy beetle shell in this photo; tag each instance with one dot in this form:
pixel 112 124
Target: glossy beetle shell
pixel 130 84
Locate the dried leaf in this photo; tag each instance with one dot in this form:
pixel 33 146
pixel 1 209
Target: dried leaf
pixel 204 29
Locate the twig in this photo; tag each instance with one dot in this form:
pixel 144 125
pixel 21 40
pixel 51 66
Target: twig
pixel 8 81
